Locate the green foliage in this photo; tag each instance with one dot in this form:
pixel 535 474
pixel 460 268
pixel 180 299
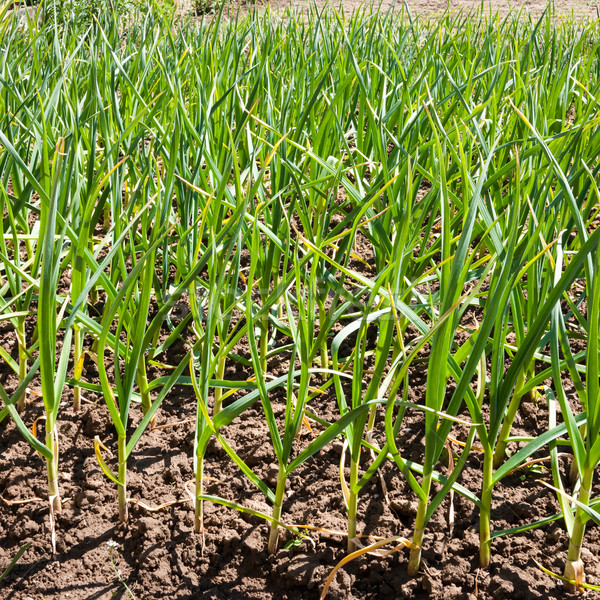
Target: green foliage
pixel 354 197
pixel 205 7
pixel 78 14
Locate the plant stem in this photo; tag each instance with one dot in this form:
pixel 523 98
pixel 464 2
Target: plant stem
pixel 22 362
pixel 94 291
pixel 353 503
pixel 264 342
pixel 122 487
pixel 574 471
pixel 94 295
pixel 532 395
pixel 105 314
pixel 280 304
pixel 199 507
pixel 414 561
pixel 574 566
pixel 106 216
pixel 142 381
pixel 279 493
pixel 507 424
pixel 78 369
pixel 485 529
pixel 219 391
pixel 324 352
pixel 52 466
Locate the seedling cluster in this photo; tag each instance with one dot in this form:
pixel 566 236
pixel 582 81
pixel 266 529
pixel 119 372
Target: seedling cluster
pixel 350 195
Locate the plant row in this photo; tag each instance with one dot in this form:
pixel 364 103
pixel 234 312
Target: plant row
pixel 297 183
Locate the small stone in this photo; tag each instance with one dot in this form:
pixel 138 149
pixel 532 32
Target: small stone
pixel 273 471
pixel 147 524
pixel 586 555
pixel 95 483
pixel 338 447
pixel 404 506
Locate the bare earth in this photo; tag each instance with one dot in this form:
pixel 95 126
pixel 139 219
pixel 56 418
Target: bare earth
pixel 565 9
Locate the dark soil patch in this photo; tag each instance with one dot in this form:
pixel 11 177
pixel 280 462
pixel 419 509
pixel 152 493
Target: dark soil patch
pixel 159 556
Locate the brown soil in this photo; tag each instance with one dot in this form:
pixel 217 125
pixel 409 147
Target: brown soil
pixel 564 9
pixel 158 555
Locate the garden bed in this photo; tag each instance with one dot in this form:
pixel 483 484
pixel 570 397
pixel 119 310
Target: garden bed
pixel 280 290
